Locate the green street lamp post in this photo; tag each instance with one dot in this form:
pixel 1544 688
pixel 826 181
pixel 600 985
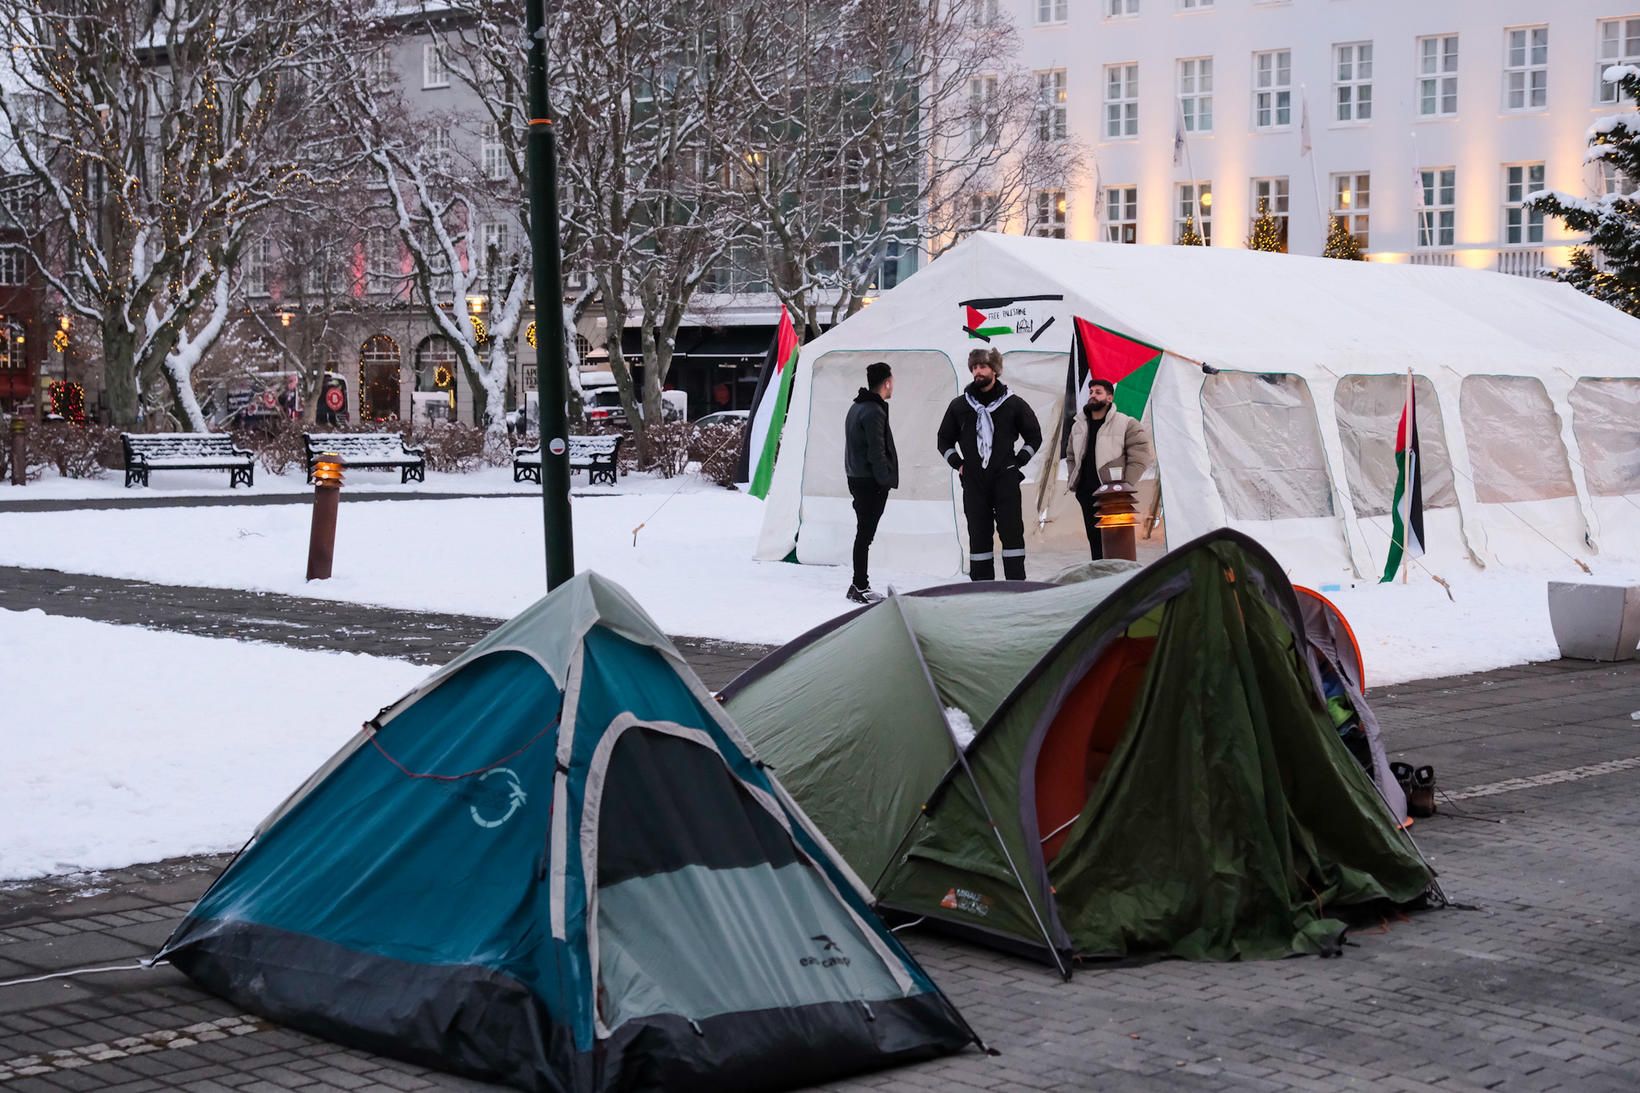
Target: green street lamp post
pixel 552 381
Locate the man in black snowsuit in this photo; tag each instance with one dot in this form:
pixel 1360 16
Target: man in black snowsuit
pixel 978 437
pixel 872 467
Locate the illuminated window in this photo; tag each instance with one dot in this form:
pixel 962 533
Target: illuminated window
pixel 1270 196
pixel 1351 203
pixel 1048 218
pixel 1195 209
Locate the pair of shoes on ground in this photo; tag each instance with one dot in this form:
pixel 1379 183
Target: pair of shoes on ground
pixel 863 595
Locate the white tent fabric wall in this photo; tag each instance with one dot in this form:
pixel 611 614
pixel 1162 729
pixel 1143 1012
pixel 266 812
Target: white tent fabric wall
pixel 1273 457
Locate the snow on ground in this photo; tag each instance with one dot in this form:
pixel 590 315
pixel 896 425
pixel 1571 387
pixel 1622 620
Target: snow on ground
pixel 173 749
pixel 690 566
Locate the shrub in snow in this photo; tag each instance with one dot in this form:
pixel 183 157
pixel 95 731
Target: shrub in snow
pixel 77 451
pixel 716 450
pixel 1607 266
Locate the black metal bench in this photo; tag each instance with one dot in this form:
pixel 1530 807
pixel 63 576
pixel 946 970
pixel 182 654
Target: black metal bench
pixel 372 451
pixel 146 452
pixel 599 456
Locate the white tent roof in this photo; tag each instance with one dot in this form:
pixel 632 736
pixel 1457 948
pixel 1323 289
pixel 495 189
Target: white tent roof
pixel 1321 320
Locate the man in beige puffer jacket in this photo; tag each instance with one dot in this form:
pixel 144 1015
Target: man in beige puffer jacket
pixel 1120 452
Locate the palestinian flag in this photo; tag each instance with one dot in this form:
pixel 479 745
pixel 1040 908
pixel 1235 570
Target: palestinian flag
pixel 768 416
pixel 1127 362
pixel 995 317
pixel 1406 537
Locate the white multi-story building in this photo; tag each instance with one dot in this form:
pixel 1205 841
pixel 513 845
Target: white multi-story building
pixel 1422 123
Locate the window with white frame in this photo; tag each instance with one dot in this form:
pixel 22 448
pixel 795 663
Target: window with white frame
pixel 1526 68
pixel 1052 11
pixel 1050 105
pixel 1619 45
pixel 13 262
pixel 1048 214
pixel 379 69
pixel 1352 204
pixel 1270 196
pixel 381 260
pixel 436 148
pixel 1196 94
pixel 1273 89
pixel 985 12
pixel 982 110
pixel 1194 207
pixel 1438 76
pixel 494 241
pixel 984 212
pixel 492 155
pixel 1521 225
pixel 1614 181
pixel 1195 5
pixel 254 267
pixel 1116 9
pixel 1121 214
pixel 1437 206
pixel 1352 81
pixel 434 72
pixel 1121 101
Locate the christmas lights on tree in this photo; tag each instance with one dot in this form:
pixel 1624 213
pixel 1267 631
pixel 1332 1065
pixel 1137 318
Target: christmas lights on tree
pixel 1341 244
pixel 1266 234
pixel 1189 236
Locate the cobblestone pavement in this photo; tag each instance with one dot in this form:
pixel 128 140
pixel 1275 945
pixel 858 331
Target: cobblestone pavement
pixel 1532 984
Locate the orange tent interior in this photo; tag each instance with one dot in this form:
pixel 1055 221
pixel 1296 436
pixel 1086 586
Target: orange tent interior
pixel 1083 735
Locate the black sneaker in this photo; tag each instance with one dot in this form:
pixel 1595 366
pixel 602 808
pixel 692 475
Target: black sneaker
pixel 863 595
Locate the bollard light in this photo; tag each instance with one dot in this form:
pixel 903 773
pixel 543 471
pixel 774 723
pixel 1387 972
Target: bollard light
pixel 327 494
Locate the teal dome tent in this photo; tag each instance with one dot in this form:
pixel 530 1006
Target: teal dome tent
pixel 558 864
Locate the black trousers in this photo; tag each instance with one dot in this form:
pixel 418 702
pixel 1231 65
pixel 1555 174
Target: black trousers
pixel 1090 516
pixel 994 502
pixel 869 501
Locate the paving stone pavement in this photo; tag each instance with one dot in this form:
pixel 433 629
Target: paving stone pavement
pixel 1532 983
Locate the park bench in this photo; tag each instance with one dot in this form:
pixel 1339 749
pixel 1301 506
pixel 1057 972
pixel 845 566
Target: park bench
pixel 597 455
pixel 146 452
pixel 368 451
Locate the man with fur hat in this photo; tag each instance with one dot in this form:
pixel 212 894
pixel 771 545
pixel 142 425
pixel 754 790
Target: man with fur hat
pixel 987 436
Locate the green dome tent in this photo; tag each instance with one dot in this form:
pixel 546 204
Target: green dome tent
pixel 557 864
pixel 1153 767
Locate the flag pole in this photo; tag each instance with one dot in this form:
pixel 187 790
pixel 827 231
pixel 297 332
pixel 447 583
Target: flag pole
pixel 1412 429
pixel 1308 151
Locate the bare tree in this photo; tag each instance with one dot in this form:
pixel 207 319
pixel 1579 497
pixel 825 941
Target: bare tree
pixel 156 134
pixel 874 130
pixel 647 90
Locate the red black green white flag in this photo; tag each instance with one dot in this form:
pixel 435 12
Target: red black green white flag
pixel 769 403
pixel 1407 513
pixel 1000 316
pixel 1098 351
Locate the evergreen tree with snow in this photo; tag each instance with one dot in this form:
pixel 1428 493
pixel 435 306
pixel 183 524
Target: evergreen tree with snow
pixel 1607 266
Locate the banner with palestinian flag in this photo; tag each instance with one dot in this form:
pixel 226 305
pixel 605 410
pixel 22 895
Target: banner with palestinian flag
pixel 1002 316
pixel 1099 351
pixel 769 402
pixel 1406 536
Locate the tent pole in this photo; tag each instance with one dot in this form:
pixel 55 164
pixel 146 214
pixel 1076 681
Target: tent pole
pixel 985 806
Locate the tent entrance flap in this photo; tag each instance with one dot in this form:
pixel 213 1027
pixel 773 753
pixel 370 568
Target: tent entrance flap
pixel 1084 734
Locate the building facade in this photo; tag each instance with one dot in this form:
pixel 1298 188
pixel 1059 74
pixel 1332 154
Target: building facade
pixel 1422 126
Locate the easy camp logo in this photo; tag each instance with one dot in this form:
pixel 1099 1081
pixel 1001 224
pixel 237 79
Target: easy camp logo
pixel 501 798
pixel 968 901
pixel 827 946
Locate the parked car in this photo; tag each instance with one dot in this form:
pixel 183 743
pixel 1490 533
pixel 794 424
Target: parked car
pixel 603 405
pixel 722 417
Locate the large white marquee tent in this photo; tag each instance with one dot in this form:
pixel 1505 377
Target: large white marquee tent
pixel 1528 394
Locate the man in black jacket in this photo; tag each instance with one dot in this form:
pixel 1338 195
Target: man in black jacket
pixel 978 436
pixel 872 467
